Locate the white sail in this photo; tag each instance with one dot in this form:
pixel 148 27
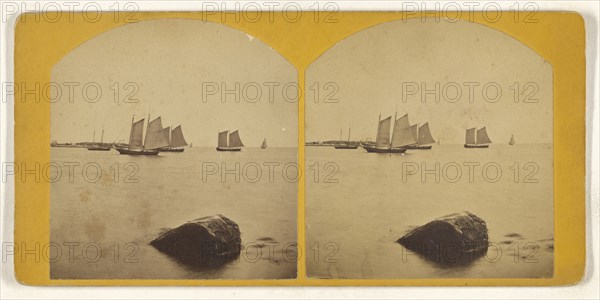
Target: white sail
pixel 223 139
pixel 177 139
pixel 155 138
pixel 383 132
pixel 402 122
pixel 136 135
pixel 482 136
pixel 167 133
pixel 425 136
pixel 234 140
pixel 403 134
pixel 470 137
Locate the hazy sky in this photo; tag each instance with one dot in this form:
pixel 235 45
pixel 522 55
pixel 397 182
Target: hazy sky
pixel 173 64
pixel 370 67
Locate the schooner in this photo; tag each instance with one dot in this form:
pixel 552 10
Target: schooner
pixel 401 136
pixel 481 141
pixel 98 147
pixel 346 145
pixel 175 138
pixel 154 140
pixel 234 143
pixel 423 136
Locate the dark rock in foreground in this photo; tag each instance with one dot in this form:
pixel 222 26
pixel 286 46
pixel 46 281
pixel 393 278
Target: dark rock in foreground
pixel 454 239
pixel 207 241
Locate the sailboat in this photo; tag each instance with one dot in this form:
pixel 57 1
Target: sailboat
pixel 264 144
pixel 401 136
pixel 234 143
pixel 482 140
pixel 512 140
pixel 423 136
pixel 175 138
pixel 98 147
pixel 155 139
pixel 346 145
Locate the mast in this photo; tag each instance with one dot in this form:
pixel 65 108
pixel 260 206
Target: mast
pixel 94 138
pixel 341 134
pixel 378 125
pixel 131 131
pixel 394 130
pixel 147 125
pixel 102 136
pixel 349 130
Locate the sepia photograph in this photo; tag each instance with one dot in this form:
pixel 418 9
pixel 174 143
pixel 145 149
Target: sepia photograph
pixel 430 146
pixel 174 152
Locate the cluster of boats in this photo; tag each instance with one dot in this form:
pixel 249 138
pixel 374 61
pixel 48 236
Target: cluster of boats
pixel 404 136
pixel 158 139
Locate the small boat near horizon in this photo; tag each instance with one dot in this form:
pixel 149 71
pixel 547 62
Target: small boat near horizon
pixel 512 140
pixel 264 144
pixel 346 145
pixel 423 137
pixel 400 138
pixel 482 140
pixel 175 138
pixel 154 140
pixel 100 146
pixel 229 141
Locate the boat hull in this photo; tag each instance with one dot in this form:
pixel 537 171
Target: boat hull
pixel 349 147
pixel 98 148
pixel 171 150
pixel 419 147
pixel 229 149
pixel 373 149
pixel 125 151
pixel 476 146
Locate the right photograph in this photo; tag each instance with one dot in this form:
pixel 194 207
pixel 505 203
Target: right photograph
pixel 429 154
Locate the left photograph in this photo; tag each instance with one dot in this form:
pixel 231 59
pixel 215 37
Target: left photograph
pixel 173 155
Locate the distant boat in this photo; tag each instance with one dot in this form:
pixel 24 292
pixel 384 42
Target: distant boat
pixel 98 147
pixel 423 136
pixel 482 140
pixel 346 145
pixel 264 144
pixel 512 140
pixel 155 139
pixel 234 143
pixel 175 138
pixel 401 136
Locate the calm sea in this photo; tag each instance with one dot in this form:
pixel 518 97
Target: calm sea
pixel 361 203
pixel 101 225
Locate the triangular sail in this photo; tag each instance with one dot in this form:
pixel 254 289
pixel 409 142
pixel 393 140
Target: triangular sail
pixel 482 136
pixel 512 140
pixel 234 140
pixel 425 136
pixel 223 139
pixel 155 138
pixel 402 122
pixel 264 144
pixel 136 135
pixel 403 134
pixel 414 129
pixel 177 139
pixel 403 137
pixel 167 133
pixel 383 132
pixel 470 137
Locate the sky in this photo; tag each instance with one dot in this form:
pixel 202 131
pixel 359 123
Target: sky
pixel 387 67
pixel 180 70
